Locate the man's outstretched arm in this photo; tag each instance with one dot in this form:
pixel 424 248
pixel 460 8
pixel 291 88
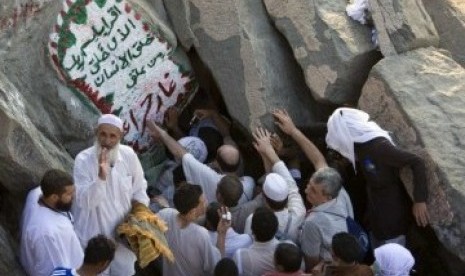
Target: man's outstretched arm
pixel 158 134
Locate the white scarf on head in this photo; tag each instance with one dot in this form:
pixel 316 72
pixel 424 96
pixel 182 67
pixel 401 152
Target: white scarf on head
pixel 347 126
pixel 394 260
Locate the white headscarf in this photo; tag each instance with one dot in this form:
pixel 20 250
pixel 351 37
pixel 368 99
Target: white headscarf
pixel 393 260
pixel 194 146
pixel 347 126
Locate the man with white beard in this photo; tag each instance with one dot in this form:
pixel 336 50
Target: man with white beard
pixel 108 178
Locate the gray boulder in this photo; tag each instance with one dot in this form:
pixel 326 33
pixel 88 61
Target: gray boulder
pixel 449 18
pixel 402 25
pixel 249 59
pixel 334 51
pixel 420 96
pixel 8 264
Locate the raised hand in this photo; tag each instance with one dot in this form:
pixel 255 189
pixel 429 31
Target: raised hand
pixel 204 113
pixel 277 143
pixel 420 212
pixel 284 121
pixel 225 220
pixel 262 140
pixel 171 117
pixel 103 164
pixel 155 130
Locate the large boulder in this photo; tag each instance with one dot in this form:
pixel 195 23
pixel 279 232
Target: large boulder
pixel 25 153
pixel 8 265
pixel 24 29
pixel 402 25
pixel 449 18
pixel 248 58
pixel 334 51
pixel 119 57
pixel 420 96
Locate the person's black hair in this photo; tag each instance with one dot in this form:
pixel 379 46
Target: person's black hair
pixel 153 191
pixel 275 205
pixel 346 247
pixel 288 256
pixel 55 182
pixel 99 249
pixel 187 197
pixel 212 139
pixel 226 267
pixel 230 189
pixel 211 216
pixel 264 224
pixel 178 176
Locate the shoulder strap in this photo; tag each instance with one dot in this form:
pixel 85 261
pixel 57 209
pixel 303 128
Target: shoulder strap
pixel 288 225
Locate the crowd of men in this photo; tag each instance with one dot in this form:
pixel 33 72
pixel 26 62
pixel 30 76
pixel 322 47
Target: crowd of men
pixel 221 222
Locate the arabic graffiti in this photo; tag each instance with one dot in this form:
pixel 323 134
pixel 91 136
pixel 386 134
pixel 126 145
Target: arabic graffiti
pixel 20 13
pixel 111 52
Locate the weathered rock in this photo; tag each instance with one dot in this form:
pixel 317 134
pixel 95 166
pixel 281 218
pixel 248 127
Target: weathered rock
pixel 8 264
pixel 334 51
pixel 420 96
pixel 51 107
pixel 449 19
pixel 118 58
pixel 402 25
pixel 249 60
pixel 25 153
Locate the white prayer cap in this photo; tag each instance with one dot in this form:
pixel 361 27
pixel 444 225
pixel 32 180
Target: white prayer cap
pixel 275 187
pixel 194 146
pixel 111 119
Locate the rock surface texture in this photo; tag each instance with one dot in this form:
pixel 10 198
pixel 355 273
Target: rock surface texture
pixel 449 18
pixel 402 25
pixel 63 62
pixel 420 96
pixel 334 51
pixel 248 58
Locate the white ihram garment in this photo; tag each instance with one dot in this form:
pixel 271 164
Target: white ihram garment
pixel 101 206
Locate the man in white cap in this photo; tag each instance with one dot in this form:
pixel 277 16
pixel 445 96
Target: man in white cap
pixel 281 195
pixel 108 178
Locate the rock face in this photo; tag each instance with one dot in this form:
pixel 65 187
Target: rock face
pixel 43 122
pixel 449 18
pixel 115 56
pixel 334 51
pixel 402 25
pixel 420 97
pixel 24 148
pixel 8 264
pixel 248 58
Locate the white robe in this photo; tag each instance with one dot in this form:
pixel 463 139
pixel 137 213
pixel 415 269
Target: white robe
pixel 100 206
pixel 48 239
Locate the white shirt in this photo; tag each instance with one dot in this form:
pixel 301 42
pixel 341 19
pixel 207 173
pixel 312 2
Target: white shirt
pixel 233 242
pixel 194 253
pixel 48 240
pixel 32 204
pixel 257 259
pixel 201 174
pixel 101 205
pixel 295 206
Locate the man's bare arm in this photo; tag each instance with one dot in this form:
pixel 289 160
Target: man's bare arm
pixel 158 134
pixel 284 122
